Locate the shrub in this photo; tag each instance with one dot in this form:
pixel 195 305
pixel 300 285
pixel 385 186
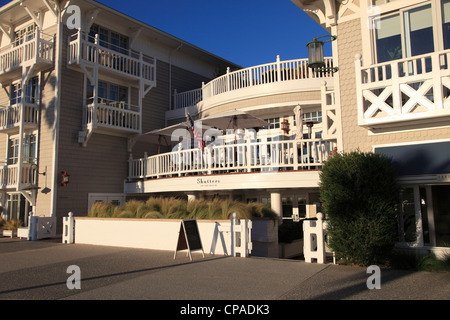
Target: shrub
pixel 360 195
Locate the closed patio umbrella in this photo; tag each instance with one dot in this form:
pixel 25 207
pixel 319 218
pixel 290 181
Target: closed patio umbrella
pixel 298 112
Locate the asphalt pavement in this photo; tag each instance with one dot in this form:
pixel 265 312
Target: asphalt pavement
pixel 50 270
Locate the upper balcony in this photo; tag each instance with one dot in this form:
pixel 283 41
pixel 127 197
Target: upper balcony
pixel 410 91
pixel 231 166
pixel 272 78
pixel 11 116
pixel 35 50
pixel 129 64
pixel 109 117
pixel 9 176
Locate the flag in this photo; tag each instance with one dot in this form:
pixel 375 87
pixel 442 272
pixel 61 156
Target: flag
pixel 198 136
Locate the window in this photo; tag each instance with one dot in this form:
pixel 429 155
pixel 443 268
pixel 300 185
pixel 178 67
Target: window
pixel 446 23
pixel 31 92
pixel 313 116
pixel 109 39
pixel 13 151
pixel 108 93
pixel 24 35
pixel 411 31
pixel 418 24
pixel 28 150
pixel 17 207
pixel 274 123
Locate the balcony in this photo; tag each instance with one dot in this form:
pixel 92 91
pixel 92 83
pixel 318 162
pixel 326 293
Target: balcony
pixel 272 78
pixel 10 117
pixel 87 50
pixel 411 91
pixel 295 162
pixel 36 50
pixel 9 176
pixel 110 117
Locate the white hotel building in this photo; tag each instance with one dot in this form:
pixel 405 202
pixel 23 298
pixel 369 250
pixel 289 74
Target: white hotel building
pixel 92 95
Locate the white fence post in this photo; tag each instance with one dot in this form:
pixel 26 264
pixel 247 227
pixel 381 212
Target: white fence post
pixel 241 240
pixel 68 229
pixel 314 239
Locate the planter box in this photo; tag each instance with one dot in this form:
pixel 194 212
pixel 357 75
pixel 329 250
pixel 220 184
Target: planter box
pixel 9 233
pixel 162 234
pixel 265 238
pixel 291 250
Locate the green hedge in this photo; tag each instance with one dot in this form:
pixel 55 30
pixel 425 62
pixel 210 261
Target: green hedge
pixel 360 196
pixel 174 208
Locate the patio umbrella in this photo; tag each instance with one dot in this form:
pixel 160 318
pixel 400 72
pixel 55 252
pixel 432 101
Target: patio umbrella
pixel 298 112
pixel 154 137
pixel 234 119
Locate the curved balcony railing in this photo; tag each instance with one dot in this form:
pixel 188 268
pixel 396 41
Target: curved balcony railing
pixel 276 72
pixel 261 156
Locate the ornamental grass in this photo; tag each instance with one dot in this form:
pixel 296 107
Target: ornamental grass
pixel 175 208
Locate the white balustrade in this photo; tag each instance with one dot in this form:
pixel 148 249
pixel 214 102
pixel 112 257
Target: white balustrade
pixel 111 114
pixel 404 89
pixel 84 47
pixel 276 72
pixel 35 48
pixel 235 157
pixel 10 116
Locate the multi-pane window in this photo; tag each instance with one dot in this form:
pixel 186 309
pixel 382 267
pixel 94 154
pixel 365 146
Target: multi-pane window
pixel 274 123
pixel 24 35
pixel 109 39
pixel 28 149
pixel 108 93
pixel 410 32
pixel 13 150
pixel 31 91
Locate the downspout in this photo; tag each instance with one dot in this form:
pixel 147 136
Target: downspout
pixel 170 74
pixel 57 104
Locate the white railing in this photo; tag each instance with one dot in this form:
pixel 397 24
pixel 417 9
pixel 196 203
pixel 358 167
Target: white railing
pixel 10 116
pixel 236 157
pixel 390 91
pixel 9 175
pixel 111 114
pixel 275 72
pixel 38 47
pixel 82 46
pixel 186 99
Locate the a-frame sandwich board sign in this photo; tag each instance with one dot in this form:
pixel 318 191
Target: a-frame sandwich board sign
pixel 189 238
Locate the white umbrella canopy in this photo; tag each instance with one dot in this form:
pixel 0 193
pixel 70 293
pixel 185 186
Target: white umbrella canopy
pixel 234 119
pixel 298 112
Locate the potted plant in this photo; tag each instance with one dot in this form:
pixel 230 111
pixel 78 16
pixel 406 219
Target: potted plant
pixel 10 228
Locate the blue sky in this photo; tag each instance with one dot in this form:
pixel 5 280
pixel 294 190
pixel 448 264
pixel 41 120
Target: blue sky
pixel 246 32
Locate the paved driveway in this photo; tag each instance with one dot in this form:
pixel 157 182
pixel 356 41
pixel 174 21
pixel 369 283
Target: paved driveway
pixel 39 270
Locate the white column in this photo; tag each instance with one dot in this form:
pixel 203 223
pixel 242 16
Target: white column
pixel 275 202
